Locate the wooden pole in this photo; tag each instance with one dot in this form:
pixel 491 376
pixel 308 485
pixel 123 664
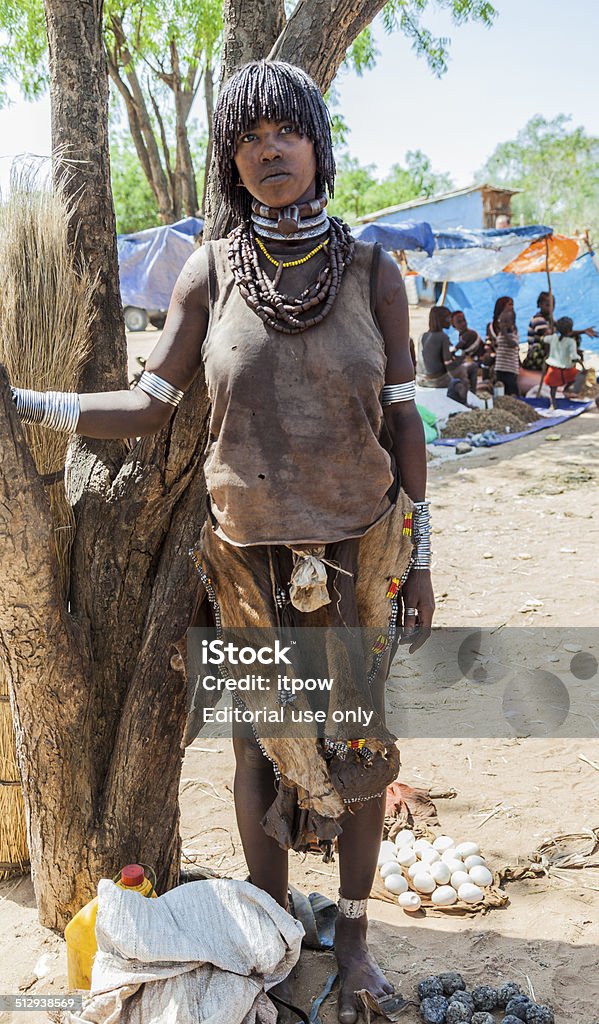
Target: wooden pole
pixel 550 290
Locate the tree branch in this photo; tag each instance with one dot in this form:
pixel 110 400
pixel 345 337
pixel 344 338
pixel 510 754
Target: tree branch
pixel 164 142
pixel 337 21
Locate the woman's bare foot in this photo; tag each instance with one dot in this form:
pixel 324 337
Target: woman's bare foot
pixel 357 967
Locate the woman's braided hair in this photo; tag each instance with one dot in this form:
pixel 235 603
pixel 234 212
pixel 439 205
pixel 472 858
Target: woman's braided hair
pixel 277 91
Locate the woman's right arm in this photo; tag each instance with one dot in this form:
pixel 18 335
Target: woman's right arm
pixel 176 359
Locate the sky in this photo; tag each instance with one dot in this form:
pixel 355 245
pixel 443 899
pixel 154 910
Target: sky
pixel 540 57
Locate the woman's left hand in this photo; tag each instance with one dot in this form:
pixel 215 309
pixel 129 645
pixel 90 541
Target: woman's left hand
pixel 418 608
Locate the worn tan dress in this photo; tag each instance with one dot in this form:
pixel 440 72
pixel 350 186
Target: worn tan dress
pixel 299 460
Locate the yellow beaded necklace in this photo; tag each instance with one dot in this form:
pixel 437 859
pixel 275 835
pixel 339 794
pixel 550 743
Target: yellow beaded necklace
pixel 288 263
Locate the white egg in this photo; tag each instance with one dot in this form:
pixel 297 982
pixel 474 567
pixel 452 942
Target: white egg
pixel 440 872
pixel 467 849
pixel 396 884
pixel 422 844
pixel 429 856
pixel 404 838
pixel 459 877
pixel 386 852
pixel 390 867
pixel 405 856
pixel 470 893
pixel 454 864
pixel 472 860
pixel 415 869
pixel 480 875
pixel 409 901
pixel 444 896
pixel 443 843
pixel 423 882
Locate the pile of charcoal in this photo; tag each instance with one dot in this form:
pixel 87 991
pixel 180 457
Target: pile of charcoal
pixel 444 999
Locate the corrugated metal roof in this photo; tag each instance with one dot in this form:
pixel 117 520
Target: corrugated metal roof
pixel 411 203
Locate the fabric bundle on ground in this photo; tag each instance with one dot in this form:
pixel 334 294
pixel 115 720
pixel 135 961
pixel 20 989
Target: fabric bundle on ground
pixel 206 951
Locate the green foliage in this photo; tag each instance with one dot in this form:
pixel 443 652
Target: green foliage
pixel 358 192
pixel 363 52
pixel 23 57
pixel 406 16
pixel 557 166
pixel 134 202
pixel 152 26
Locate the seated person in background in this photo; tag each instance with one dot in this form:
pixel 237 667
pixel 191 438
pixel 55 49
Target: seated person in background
pixel 561 360
pixel 538 329
pixel 507 360
pixel 475 347
pixel 435 354
pixel 465 374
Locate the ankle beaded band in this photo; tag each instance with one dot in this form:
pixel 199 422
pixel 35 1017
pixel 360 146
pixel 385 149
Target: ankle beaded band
pixel 351 908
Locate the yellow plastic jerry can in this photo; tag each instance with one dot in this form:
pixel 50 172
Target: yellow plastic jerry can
pixel 80 933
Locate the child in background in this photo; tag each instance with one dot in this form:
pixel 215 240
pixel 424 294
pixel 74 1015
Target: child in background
pixel 507 359
pixel 561 360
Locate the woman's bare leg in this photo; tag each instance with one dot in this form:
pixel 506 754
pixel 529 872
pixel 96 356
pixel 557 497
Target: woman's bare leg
pixel 358 853
pixel 359 846
pixel 254 791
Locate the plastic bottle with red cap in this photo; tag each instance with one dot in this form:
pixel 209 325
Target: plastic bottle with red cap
pixel 80 933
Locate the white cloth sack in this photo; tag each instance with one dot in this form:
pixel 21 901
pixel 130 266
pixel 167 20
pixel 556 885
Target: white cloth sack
pixel 205 951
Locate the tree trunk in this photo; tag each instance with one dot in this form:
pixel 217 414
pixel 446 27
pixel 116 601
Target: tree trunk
pixel 78 132
pixel 209 102
pixel 319 33
pixel 99 712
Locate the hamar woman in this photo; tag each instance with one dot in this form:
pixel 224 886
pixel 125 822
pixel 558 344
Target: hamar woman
pixel 303 333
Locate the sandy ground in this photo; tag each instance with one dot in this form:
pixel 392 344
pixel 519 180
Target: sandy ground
pixel 512 525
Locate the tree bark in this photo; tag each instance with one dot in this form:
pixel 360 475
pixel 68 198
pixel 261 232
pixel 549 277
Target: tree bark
pixel 319 33
pixel 250 32
pixel 209 103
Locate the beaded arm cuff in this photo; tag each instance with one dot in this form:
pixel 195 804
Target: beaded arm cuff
pixel 154 385
pixel 57 410
pixel 399 392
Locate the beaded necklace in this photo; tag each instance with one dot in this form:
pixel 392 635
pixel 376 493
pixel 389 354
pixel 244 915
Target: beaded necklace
pixel 277 310
pixel 282 265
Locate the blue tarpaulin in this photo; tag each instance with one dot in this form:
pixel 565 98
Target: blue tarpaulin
pixel 411 235
pixel 576 295
pixel 468 255
pixel 150 262
pixel 489 238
